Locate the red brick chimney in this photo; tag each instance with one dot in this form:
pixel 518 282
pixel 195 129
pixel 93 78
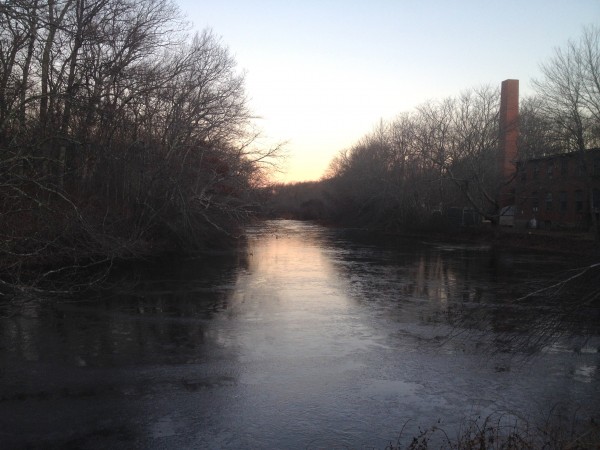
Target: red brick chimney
pixel 509 133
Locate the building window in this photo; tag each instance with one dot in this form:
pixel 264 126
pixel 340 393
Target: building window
pixel 535 201
pixel 563 202
pixel 579 201
pixel 522 171
pixel 596 200
pixel 548 201
pixel 550 169
pixel 596 167
pixel 536 170
pixel 580 171
pixel 564 167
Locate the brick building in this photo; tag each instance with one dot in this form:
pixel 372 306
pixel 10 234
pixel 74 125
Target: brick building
pixel 558 191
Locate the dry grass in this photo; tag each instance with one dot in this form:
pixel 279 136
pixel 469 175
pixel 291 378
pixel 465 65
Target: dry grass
pixel 502 432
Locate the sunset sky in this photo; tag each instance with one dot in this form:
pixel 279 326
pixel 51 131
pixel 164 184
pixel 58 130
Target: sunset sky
pixel 321 73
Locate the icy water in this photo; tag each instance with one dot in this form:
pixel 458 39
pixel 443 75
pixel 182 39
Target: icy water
pixel 306 337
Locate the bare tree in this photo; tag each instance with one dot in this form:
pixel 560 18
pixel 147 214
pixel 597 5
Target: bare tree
pixel 119 134
pixel 570 95
pixel 458 137
pixel 538 135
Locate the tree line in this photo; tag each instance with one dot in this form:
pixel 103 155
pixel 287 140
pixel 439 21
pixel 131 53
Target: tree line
pixel 410 169
pixel 120 135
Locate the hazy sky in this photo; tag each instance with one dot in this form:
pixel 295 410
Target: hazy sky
pixel 322 73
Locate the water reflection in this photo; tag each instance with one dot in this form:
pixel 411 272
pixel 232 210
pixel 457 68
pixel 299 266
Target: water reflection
pixel 469 290
pixel 157 315
pixel 293 290
pixel 304 338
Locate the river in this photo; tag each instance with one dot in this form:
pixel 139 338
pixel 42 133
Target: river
pixel 304 337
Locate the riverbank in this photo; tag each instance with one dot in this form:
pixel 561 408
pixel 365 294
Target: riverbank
pixel 566 242
pixel 559 242
pixel 578 243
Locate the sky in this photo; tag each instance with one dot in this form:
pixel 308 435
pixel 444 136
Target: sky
pixel 321 74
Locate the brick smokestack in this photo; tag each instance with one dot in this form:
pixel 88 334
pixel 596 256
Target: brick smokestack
pixel 509 133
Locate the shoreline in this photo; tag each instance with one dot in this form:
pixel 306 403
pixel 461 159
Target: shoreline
pixel 559 242
pixel 547 241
